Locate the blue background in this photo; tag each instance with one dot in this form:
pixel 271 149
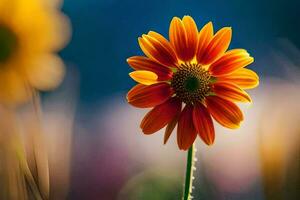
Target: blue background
pixel 105 33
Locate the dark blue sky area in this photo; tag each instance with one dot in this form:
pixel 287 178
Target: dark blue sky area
pixel 105 33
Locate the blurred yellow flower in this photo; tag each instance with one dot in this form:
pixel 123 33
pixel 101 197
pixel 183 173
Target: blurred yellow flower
pixel 31 33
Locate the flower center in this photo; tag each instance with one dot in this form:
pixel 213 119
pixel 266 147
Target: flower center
pixel 8 43
pixel 191 83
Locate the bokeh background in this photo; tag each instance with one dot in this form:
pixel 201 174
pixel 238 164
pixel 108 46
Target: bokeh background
pixel 105 156
pixel 105 33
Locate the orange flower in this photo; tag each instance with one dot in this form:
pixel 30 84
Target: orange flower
pixel 194 70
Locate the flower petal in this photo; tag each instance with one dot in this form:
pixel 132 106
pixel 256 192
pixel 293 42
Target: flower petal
pixel 183 37
pixel 144 77
pixel 230 92
pixel 178 37
pixel 244 78
pixel 203 124
pixel 160 116
pixel 163 41
pixel 205 36
pixel 170 127
pixel 186 132
pixel 144 63
pixel 137 88
pixel 217 46
pixel 225 112
pixel 14 91
pixel 149 96
pixel 230 61
pixel 192 34
pixel 158 48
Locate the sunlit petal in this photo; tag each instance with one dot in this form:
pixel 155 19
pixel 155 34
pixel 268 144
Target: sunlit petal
pixel 144 63
pixel 217 46
pixel 158 49
pixel 225 112
pixel 244 78
pixel 144 77
pixel 183 37
pixel 230 92
pixel 205 36
pixel 230 61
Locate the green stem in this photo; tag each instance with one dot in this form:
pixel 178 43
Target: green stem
pixel 189 174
